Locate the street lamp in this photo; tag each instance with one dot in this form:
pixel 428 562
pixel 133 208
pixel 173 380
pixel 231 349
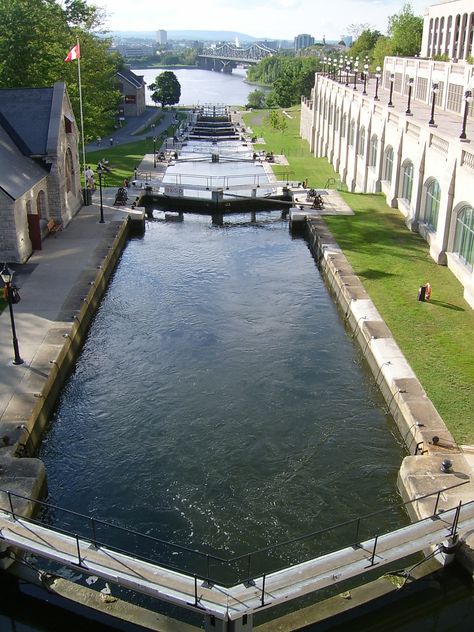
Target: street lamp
pixel 324 65
pixel 434 90
pixel 7 276
pixel 467 100
pixel 348 67
pixel 356 70
pixel 341 66
pixel 154 152
pixel 377 79
pixel 408 112
pixel 392 79
pixel 100 171
pixel 366 70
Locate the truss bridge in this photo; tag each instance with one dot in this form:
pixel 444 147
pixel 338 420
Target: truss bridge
pixel 224 58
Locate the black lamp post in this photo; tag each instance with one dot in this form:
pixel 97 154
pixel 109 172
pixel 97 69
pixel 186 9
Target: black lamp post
pixel 366 70
pixel 467 100
pixel 377 79
pixel 154 152
pixel 100 172
pixel 348 67
pixel 356 70
pixel 408 112
pixel 7 276
pixel 324 65
pixel 434 90
pixel 392 79
pixel 341 66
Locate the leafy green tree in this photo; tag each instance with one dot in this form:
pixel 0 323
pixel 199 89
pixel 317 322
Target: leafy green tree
pixel 277 120
pixel 38 61
pixel 365 44
pixel 166 89
pixel 256 99
pixel 383 48
pixel 405 30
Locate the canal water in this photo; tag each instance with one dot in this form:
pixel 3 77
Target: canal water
pixel 219 402
pixel 204 86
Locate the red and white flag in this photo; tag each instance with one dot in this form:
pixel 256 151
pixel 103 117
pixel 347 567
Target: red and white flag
pixel 74 53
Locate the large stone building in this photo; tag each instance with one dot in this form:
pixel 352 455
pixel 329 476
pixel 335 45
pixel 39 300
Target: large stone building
pixel 39 167
pixel 132 89
pixel 409 136
pixel 448 29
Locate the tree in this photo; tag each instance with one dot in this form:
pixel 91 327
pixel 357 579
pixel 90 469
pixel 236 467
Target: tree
pixel 166 89
pixel 277 120
pixel 356 29
pixel 365 44
pixel 405 30
pixel 383 48
pixel 38 61
pixel 256 99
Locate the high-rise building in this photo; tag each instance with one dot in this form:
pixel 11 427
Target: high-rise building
pixel 162 37
pixel 303 41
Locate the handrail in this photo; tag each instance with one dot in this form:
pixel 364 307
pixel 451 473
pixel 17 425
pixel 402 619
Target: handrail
pixel 207 558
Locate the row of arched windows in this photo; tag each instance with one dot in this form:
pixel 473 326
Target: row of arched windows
pixel 452 36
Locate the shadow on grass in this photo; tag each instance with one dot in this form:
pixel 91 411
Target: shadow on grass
pixel 374 274
pixel 456 308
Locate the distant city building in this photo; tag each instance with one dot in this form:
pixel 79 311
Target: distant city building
pixel 303 41
pixel 448 29
pixel 135 52
pixel 347 39
pixel 162 37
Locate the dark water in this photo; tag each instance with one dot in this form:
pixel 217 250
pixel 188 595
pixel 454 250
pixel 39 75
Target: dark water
pixel 219 402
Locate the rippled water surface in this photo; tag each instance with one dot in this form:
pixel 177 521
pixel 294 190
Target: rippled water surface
pixel 219 401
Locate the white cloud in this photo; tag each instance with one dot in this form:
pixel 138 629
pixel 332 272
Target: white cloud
pixel 261 18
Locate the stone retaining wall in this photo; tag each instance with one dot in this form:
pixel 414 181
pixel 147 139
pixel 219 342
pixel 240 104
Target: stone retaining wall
pixel 423 431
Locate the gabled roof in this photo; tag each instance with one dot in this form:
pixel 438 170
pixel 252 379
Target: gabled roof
pixel 18 173
pixel 27 112
pixel 127 75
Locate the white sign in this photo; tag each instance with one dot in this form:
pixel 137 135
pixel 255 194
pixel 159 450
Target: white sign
pixel 174 190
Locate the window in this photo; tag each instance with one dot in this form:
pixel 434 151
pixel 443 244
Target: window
pixel 407 180
pixel 388 164
pixel 69 172
pixel 373 151
pixel 421 88
pixel 336 119
pixel 343 126
pixel 433 194
pixel 352 132
pixel 455 97
pixel 361 146
pixel 464 235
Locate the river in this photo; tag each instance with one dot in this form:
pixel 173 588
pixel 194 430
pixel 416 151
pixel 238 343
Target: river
pixel 204 86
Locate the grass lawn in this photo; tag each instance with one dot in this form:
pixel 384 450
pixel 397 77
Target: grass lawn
pixel 436 337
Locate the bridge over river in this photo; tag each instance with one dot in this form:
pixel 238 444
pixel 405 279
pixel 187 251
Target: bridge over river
pixel 224 58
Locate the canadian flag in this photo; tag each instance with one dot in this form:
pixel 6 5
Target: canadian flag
pixel 74 53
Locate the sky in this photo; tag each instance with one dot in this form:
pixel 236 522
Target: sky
pixel 273 19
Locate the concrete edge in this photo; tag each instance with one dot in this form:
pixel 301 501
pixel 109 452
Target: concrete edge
pixel 422 429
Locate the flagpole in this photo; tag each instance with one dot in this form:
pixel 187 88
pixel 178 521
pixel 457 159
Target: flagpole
pixel 82 115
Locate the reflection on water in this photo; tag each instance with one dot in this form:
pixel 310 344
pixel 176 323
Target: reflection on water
pixel 218 401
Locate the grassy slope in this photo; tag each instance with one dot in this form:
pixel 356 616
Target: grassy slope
pixel 436 337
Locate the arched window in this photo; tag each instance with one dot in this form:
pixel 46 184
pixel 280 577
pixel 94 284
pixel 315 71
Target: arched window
pixel 388 164
pixel 432 197
pixel 352 132
pixel 41 204
pixel 69 172
pixel 361 146
pixel 407 180
pixel 336 119
pixel 373 151
pixel 464 235
pixel 344 125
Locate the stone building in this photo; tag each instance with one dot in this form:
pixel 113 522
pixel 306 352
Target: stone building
pixel 132 89
pixel 39 167
pixel 407 132
pixel 448 29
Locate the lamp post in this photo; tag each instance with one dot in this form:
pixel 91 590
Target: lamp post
pixel 467 100
pixel 366 70
pixel 434 90
pixel 154 152
pixel 341 66
pixel 348 67
pixel 7 276
pixel 408 112
pixel 356 70
pixel 377 79
pixel 324 65
pixel 100 172
pixel 392 79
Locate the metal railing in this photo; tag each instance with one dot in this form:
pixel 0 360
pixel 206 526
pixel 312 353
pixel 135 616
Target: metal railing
pixel 210 567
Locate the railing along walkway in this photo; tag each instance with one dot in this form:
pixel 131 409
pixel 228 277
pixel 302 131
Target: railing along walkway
pixel 230 603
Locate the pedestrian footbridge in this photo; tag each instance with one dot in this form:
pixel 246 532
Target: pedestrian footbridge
pixel 232 606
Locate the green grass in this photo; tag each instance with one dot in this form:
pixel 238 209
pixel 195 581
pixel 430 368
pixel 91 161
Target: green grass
pixel 392 262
